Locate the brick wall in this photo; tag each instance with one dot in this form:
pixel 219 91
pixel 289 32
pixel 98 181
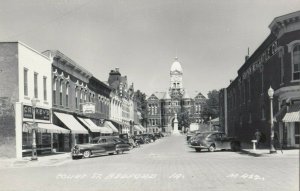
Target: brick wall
pixel 8 97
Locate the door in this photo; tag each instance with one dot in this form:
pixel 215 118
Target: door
pixel 297 134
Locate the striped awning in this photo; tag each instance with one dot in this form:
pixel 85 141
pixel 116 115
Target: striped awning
pixel 71 123
pixel 137 128
pixel 293 114
pixel 45 128
pixel 142 128
pixel 110 125
pixel 90 124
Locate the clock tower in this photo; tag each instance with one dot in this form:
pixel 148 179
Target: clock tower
pixel 176 73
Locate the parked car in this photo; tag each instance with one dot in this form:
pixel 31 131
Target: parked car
pixel 149 138
pixel 158 135
pixel 139 139
pixel 213 141
pixel 100 145
pixel 193 137
pixel 191 134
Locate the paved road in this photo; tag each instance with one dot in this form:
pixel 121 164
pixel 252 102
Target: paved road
pixel 166 165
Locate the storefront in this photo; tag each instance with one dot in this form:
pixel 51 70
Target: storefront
pixel 78 134
pixel 46 133
pixel 292 122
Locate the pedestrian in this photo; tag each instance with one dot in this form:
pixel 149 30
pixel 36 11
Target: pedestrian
pixel 257 136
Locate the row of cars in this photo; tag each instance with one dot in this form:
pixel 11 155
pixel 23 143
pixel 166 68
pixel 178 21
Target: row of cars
pixel 212 141
pixel 112 144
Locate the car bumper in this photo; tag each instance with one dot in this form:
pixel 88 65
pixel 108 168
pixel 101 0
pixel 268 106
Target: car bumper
pixel 76 153
pixel 197 146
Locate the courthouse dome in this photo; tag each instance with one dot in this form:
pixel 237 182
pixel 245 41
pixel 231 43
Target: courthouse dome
pixel 176 66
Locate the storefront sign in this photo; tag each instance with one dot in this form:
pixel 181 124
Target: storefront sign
pixel 88 108
pixel 40 113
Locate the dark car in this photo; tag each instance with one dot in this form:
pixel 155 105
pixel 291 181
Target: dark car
pixel 190 134
pixel 213 141
pixel 158 135
pixel 139 139
pixel 149 138
pixel 100 145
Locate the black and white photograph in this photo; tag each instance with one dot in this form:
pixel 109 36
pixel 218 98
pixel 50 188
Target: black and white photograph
pixel 149 95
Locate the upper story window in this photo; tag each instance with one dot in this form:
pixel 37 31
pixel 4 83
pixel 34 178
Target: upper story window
pixel 36 95
pixel 60 93
pixel 45 87
pixel 296 62
pixel 25 82
pixel 67 94
pixel 54 91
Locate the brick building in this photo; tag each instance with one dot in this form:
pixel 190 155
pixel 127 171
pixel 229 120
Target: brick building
pixel 80 102
pixel 162 106
pixel 275 63
pixel 25 76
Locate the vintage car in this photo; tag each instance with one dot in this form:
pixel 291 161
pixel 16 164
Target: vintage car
pixel 213 141
pixel 100 145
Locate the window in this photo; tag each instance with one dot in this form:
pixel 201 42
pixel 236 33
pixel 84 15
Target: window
pixel 54 91
pixel 67 95
pixel 296 62
pixel 45 87
pixel 76 98
pixel 25 82
pixel 60 93
pixel 36 85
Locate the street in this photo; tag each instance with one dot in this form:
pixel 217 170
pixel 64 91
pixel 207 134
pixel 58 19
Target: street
pixel 167 164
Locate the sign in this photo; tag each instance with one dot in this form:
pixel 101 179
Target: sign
pixel 88 108
pixel 40 113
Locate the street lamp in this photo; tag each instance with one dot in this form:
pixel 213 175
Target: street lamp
pixel 271 93
pixel 34 153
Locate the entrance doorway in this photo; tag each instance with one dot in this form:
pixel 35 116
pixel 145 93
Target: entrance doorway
pixel 297 134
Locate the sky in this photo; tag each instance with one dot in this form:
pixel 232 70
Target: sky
pixel 142 37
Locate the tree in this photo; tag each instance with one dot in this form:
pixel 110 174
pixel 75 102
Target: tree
pixel 183 119
pixel 211 107
pixel 140 98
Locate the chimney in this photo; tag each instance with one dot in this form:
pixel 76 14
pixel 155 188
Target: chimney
pixel 247 57
pixel 117 69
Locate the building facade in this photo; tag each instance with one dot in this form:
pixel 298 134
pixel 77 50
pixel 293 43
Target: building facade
pixel 25 98
pixel 162 106
pixel 122 102
pixel 275 63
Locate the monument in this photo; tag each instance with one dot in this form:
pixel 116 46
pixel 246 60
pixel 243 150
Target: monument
pixel 176 131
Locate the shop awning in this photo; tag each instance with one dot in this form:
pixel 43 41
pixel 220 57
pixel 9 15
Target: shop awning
pixel 142 128
pixel 280 114
pixel 45 128
pixel 293 115
pixel 90 124
pixel 71 123
pixel 106 129
pixel 110 125
pixel 137 128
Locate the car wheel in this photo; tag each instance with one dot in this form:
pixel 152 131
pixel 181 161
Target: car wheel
pixel 86 154
pixel 74 157
pixel 212 148
pixel 118 152
pixel 198 150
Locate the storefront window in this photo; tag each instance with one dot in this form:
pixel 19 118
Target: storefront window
pixel 297 133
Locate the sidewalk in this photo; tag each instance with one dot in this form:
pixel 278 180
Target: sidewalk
pixel 44 160
pixel 265 152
